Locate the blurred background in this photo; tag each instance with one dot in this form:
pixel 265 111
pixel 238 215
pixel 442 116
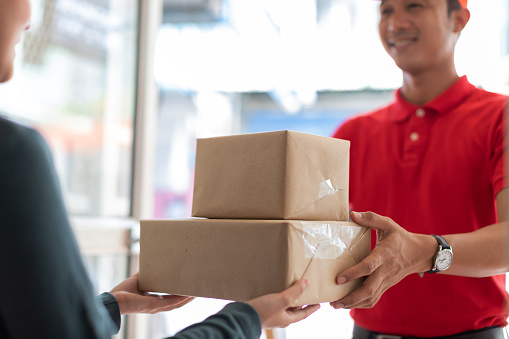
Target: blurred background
pixel 121 89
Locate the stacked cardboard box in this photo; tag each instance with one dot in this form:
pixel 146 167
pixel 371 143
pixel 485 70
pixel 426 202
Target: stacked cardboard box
pixel 276 209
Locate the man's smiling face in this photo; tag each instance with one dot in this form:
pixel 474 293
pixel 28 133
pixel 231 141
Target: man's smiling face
pixel 418 34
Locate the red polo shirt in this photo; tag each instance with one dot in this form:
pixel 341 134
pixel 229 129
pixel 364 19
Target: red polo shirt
pixel 434 169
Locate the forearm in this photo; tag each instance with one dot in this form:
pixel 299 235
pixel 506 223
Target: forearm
pixel 399 253
pixel 482 253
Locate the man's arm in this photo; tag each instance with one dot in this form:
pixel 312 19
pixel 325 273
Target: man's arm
pixel 398 253
pixel 483 253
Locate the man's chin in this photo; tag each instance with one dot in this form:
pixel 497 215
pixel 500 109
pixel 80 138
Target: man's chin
pixel 409 66
pixel 5 75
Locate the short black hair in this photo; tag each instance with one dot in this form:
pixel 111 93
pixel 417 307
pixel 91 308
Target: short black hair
pixel 452 5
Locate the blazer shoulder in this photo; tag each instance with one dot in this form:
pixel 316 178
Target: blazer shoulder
pixel 19 140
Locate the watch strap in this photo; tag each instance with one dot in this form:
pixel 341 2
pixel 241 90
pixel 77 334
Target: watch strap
pixel 441 241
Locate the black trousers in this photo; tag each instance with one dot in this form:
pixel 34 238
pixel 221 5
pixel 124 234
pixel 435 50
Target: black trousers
pixel 485 333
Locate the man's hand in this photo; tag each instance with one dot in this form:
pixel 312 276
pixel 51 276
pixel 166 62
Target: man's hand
pixel 131 300
pixel 275 311
pixel 397 254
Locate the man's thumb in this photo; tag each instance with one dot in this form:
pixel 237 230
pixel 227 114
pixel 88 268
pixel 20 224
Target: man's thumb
pixel 370 219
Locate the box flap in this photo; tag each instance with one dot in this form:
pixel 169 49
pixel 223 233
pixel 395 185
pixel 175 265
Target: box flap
pixel 322 177
pixel 325 250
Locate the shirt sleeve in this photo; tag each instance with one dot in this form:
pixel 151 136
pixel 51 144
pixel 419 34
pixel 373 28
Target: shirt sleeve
pixel 236 321
pixel 342 130
pixel 498 171
pixel 46 291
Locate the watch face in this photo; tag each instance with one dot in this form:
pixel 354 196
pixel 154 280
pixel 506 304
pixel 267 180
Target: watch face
pixel 444 259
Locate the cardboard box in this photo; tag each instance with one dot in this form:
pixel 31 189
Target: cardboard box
pixel 274 175
pixel 243 259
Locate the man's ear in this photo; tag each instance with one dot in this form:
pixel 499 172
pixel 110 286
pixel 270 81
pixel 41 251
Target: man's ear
pixel 460 17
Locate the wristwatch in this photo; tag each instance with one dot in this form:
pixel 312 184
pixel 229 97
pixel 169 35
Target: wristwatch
pixel 443 258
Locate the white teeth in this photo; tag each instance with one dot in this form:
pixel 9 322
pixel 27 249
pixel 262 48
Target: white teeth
pixel 401 43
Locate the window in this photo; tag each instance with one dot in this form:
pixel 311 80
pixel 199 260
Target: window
pixel 75 82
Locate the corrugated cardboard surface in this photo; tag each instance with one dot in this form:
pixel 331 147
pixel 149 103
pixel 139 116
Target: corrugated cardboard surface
pixel 273 175
pixel 243 259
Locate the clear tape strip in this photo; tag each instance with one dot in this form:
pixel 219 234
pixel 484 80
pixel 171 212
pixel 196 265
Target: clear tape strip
pixel 327 241
pixel 326 188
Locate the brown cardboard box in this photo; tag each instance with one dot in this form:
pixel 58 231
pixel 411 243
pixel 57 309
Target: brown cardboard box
pixel 243 259
pixel 274 175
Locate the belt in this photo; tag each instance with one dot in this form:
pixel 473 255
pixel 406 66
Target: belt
pixel 494 332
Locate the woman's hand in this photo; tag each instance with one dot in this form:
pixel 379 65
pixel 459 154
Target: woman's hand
pixel 275 311
pixel 131 300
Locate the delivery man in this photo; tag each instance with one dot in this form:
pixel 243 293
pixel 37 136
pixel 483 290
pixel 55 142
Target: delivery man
pixel 433 162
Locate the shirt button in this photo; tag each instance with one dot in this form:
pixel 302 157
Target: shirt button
pixel 414 136
pixel 420 113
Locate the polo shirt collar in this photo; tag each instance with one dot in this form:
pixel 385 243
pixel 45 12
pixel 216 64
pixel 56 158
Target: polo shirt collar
pixel 443 104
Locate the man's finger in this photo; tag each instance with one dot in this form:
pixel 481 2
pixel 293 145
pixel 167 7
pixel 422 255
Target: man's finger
pixel 367 303
pixel 361 297
pixel 362 269
pixel 365 296
pixel 370 219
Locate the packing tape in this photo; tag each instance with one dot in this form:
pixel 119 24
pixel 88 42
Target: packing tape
pixel 326 189
pixel 325 241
